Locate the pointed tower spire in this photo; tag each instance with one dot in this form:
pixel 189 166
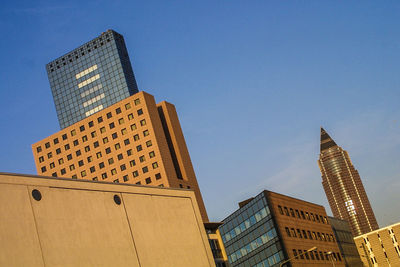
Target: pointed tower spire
pixel 326 141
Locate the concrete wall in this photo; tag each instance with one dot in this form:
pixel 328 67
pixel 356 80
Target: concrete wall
pixel 78 223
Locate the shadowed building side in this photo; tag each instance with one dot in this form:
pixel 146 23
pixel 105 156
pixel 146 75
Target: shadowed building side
pixel 343 187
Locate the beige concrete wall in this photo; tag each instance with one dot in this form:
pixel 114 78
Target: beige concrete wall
pixel 78 223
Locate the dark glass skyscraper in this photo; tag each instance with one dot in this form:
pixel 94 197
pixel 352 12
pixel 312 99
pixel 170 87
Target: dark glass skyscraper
pixel 91 78
pixel 343 187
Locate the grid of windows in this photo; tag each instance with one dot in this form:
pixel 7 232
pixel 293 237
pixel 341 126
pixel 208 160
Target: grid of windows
pixel 135 154
pixel 92 77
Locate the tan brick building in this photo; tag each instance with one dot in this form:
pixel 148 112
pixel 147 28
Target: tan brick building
pixel 134 141
pixel 380 247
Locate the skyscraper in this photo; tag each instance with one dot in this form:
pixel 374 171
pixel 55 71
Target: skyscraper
pixel 134 141
pixel 91 77
pixel 343 187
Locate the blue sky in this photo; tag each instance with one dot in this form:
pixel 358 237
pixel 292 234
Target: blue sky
pixel 252 82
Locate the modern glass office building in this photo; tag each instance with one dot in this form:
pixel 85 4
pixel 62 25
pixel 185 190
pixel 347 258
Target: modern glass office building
pixel 91 78
pixel 250 235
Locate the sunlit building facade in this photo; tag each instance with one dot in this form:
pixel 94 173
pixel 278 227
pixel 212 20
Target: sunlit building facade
pixel 380 247
pixel 134 141
pixel 91 77
pixel 343 187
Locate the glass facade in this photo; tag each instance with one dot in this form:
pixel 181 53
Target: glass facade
pixel 91 78
pixel 250 236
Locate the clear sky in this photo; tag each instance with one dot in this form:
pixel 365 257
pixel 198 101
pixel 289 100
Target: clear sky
pixel 252 81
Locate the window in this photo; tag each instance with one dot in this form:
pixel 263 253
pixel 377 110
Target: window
pixel 58 151
pixel 137 101
pixel 87 148
pixel 84 138
pixel 286 211
pixel 138 183
pixel 63 171
pixel 94 179
pixel 140 112
pixel 104 175
pixel 93 134
pixel 181 185
pixel 105 140
pixel 39 149
pixel 116 181
pixel 143 122
pixel 108 150
pixel 135 174
pixel 66 147
pixel 127 106
pixel 117 146
pixel 133 127
pixel 301 254
pixel 47 145
pixel 73 133
pixel 136 137
pixel 113 171
pixel 76 142
pixel 60 161
pixel 302 215
pixel 139 148
pixel 114 136
pixel 126 179
pixel 306 254
pixel 158 176
pixel 121 121
pixel 122 167
pixel 118 110
pixel 110 161
pixel 109 115
pixel 130 116
pixel 299 233
pixel 89 159
pixel 96 144
pixel 98 154
pixel 55 141
pixel 142 159
pixel 78 153
pixel 280 210
pixel 145 169
pixel 129 152
pixel 71 167
pixel 297 214
pixel 52 165
pixel 152 154
pixel 295 253
pixel 304 234
pixel 83 173
pixel 74 176
pixel 101 165
pixel 120 156
pixel 103 129
pixel 69 156
pixel 80 163
pixel 91 124
pixel 126 142
pixel 155 165
pixel 287 231
pixel 124 131
pixel 43 169
pixel 112 125
pixel 49 155
pixel 148 180
pixel 146 132
pixel 148 143
pixel 82 128
pixel 41 159
pixel 64 137
pixel 54 174
pixel 132 163
pixel 100 119
pixel 92 169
